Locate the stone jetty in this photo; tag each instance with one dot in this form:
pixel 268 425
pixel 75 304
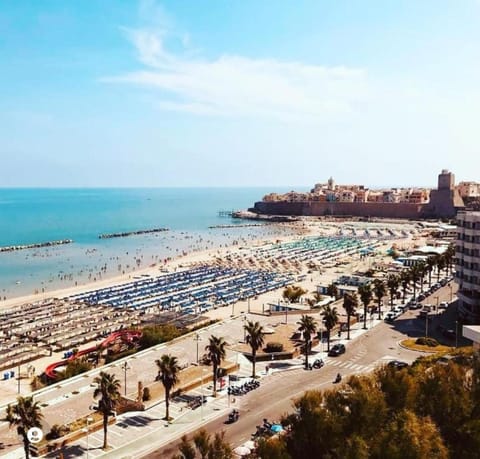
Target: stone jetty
pixel 38 245
pixel 132 233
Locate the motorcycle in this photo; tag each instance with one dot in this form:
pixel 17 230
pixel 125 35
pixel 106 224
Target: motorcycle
pixel 233 416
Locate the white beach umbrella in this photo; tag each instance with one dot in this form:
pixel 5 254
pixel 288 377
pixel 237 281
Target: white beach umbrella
pixel 241 451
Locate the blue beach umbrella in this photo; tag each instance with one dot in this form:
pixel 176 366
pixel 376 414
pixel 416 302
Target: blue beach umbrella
pixel 276 428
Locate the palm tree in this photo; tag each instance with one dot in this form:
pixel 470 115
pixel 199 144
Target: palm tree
pixel 109 391
pixel 24 415
pixel 332 290
pixel 308 326
pixel 392 284
pixel 440 265
pixel 405 279
pixel 429 265
pixel 350 304
pixel 168 370
pixel 422 269
pixel 449 257
pixel 255 337
pixel 330 318
pixel 380 290
pixel 415 274
pixel 366 295
pixel 216 353
pixel 316 298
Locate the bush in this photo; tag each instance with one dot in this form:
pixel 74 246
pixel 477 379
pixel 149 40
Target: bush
pixel 156 334
pixel 430 342
pixel 56 431
pixel 146 394
pixel 274 347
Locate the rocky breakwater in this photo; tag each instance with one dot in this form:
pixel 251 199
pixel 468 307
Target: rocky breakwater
pixel 38 245
pixel 132 233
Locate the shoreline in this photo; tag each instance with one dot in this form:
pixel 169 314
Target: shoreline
pixel 206 256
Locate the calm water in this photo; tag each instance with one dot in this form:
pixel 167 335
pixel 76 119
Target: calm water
pixel 38 215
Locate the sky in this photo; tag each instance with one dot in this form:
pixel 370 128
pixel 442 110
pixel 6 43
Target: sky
pixel 123 93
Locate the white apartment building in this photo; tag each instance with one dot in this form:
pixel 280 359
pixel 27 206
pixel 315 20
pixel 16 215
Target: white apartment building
pixel 467 260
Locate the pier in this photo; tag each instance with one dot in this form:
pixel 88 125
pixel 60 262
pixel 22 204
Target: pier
pixel 132 233
pixel 225 213
pixel 13 248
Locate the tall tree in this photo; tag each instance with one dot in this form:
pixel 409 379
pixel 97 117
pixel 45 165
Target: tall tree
pixel 405 279
pixel 24 415
pixel 440 265
pixel 330 319
pixel 255 337
pixel 332 290
pixel 415 276
pixel 168 370
pixel 187 451
pixel 216 353
pixel 366 295
pixel 380 290
pixel 108 389
pixel 202 442
pixel 293 293
pixel 350 304
pixel 429 265
pixel 393 283
pixel 422 270
pixel 308 327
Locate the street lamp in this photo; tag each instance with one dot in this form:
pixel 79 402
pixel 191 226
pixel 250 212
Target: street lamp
pixel 89 420
pixel 456 334
pixel 197 339
pixel 125 367
pixel 451 292
pixel 244 329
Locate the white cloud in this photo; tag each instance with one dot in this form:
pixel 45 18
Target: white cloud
pixel 240 86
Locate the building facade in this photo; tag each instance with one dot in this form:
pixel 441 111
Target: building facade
pixel 467 260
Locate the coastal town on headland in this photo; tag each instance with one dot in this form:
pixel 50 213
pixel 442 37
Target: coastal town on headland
pixel 346 287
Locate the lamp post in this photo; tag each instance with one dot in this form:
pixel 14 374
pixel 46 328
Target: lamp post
pixel 125 367
pixel 197 339
pixel 201 387
pixel 451 292
pixel 426 325
pixel 244 329
pixel 18 379
pixel 456 334
pixel 249 305
pixel 89 420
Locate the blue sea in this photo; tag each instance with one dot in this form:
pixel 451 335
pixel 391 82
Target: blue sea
pixel 30 216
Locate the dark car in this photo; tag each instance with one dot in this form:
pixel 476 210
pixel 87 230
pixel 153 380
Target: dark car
pixel 337 350
pixel 449 333
pixel 397 364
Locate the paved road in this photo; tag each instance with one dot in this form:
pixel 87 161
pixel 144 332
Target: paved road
pixel 275 395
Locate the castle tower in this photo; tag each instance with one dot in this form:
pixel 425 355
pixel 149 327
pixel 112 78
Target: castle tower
pixel 446 180
pixel 331 184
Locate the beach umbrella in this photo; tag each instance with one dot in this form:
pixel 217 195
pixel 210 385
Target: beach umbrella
pixel 241 451
pixel 249 444
pixel 276 428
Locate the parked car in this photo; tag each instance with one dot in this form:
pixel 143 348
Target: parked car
pixel 443 305
pixel 421 297
pixel 449 333
pixel 416 306
pixel 336 350
pixel 397 364
pixel 390 316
